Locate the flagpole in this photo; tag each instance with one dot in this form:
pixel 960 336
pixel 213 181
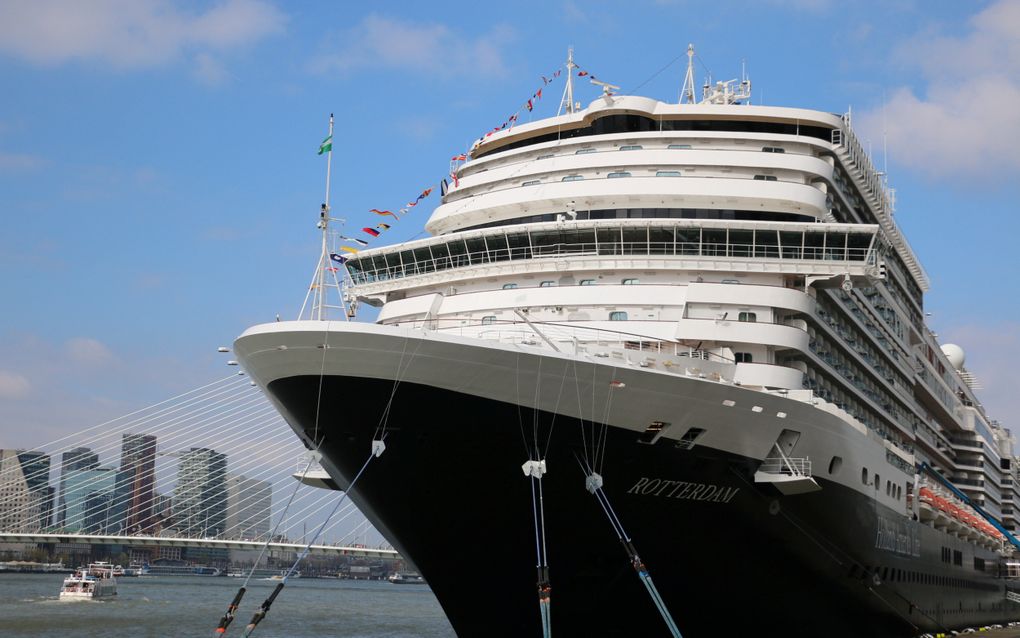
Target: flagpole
pixel 324 259
pixel 329 159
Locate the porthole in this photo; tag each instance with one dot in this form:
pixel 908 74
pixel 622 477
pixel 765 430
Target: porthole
pixel 864 475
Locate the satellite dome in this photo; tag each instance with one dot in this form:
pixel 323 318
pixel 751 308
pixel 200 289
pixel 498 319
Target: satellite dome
pixel 955 355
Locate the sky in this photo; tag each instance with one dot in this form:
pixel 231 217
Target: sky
pixel 159 182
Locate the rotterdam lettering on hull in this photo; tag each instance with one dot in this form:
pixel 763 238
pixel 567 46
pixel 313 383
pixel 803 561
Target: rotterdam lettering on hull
pixel 683 490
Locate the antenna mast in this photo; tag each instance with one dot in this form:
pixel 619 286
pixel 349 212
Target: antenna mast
pixel 318 287
pixel 688 89
pixel 324 226
pixel 567 102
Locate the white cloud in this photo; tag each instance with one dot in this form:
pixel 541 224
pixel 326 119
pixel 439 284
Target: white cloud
pixel 966 120
pixel 19 161
pixel 128 33
pixel 88 351
pixel 209 70
pixel 13 385
pixel 379 42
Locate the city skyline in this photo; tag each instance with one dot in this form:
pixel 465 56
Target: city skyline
pixel 121 496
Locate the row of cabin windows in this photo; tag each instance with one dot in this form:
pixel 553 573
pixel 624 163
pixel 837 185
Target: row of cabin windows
pixel 638 147
pixel 618 174
pixel 591 282
pixel 616 315
pixel 612 124
pixel 659 213
pixel 891 489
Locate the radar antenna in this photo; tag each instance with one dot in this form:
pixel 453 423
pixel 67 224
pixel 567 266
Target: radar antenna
pixel 607 88
pixel 688 89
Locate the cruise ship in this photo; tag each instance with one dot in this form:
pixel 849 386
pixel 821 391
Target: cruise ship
pixel 664 368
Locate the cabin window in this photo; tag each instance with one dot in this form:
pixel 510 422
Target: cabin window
pixel 616 174
pixel 630 282
pixel 541 157
pixel 584 151
pixel 547 284
pixel 679 146
pixel 773 149
pixel 742 357
pixel 749 317
pixel 618 315
pixel 572 178
pixel 509 286
pixel 667 173
pixel 864 476
pixel 531 182
pixel 488 320
pixel 631 147
pixel 766 178
pixel 878 482
pixel 586 282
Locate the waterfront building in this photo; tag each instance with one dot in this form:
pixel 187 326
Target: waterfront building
pixel 35 466
pixel 138 463
pixel 200 496
pixel 249 504
pixel 19 509
pixel 79 458
pixel 95 501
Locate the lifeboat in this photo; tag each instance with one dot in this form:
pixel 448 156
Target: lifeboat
pixel 956 518
pixel 926 498
pixel 942 512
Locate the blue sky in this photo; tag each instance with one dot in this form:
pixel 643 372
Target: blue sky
pixel 159 184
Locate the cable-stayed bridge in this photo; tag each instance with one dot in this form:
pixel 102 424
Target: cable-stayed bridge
pixel 214 468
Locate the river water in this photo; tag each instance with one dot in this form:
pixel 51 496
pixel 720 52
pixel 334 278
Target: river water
pixel 178 606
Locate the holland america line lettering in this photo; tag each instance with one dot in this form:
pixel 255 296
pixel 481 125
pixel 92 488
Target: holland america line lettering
pixel 683 490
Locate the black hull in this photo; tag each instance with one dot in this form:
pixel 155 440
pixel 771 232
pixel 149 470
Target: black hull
pixel 729 557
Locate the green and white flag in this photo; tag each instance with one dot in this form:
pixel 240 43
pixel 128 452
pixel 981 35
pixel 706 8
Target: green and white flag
pixel 326 146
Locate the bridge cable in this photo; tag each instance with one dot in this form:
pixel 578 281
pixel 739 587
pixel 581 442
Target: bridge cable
pixel 593 483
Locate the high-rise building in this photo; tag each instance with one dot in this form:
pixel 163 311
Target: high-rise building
pixel 79 458
pixel 19 511
pixel 36 468
pixel 138 464
pixel 249 504
pixel 95 500
pixel 200 496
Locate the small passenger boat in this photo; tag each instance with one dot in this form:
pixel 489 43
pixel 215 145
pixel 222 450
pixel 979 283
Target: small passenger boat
pixel 95 581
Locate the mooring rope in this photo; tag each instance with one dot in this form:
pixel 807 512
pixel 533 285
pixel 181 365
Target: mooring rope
pixel 593 483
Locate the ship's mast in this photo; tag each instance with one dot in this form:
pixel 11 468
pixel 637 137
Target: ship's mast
pixel 567 102
pixel 325 271
pixel 324 227
pixel 688 89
